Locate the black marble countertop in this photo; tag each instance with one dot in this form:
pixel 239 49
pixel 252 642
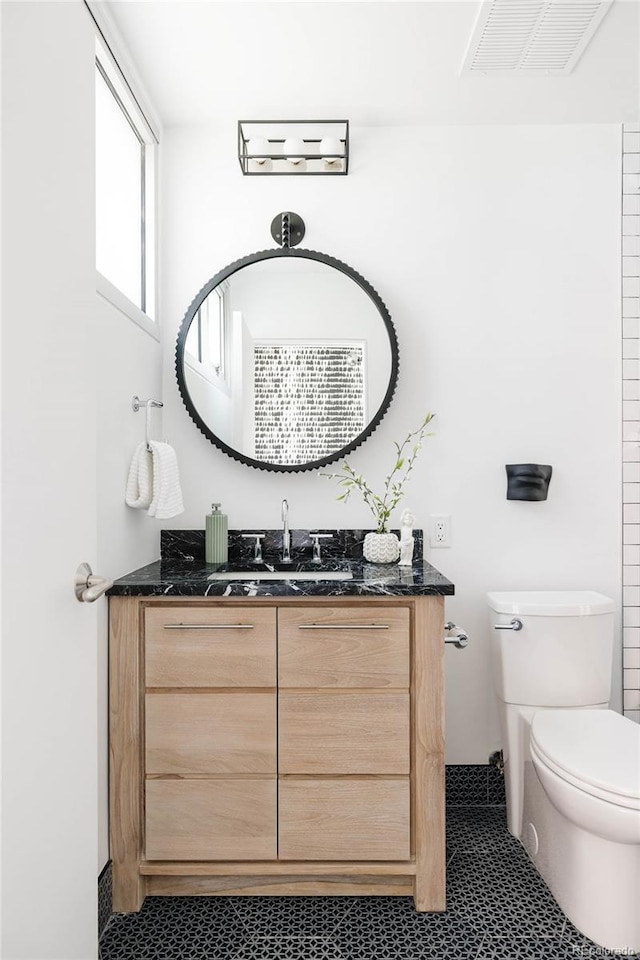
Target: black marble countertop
pixel 160 579
pixel 182 571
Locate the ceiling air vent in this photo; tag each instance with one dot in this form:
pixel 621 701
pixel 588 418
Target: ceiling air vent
pixel 531 37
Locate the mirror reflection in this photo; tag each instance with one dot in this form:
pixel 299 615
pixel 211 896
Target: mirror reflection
pixel 287 361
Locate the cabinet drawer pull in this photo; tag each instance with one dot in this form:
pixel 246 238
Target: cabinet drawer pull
pixel 208 626
pixel 343 626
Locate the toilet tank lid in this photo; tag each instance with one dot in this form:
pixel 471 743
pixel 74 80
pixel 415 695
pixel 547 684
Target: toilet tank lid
pixel 551 603
pixel 595 747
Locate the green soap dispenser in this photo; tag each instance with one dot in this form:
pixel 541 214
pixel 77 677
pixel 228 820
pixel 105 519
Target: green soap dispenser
pixel 216 544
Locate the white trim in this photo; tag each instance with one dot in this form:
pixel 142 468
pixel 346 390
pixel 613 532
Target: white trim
pixel 151 230
pixel 108 35
pixel 207 373
pixel 117 299
pixel 135 111
pixel 118 81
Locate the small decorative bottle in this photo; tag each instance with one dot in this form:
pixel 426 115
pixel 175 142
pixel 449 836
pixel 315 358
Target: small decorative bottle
pixel 216 544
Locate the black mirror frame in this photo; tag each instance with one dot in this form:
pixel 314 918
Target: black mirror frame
pixel 224 274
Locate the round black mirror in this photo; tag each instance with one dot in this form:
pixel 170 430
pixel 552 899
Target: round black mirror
pixel 287 359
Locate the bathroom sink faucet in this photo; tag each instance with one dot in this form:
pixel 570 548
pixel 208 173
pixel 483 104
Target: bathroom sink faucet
pixel 286 540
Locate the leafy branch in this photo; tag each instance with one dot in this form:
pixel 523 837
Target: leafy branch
pixel 383 506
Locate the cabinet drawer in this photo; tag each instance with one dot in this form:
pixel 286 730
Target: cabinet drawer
pixel 365 819
pixel 343 647
pixel 202 647
pixel 210 733
pixel 211 819
pixel 343 732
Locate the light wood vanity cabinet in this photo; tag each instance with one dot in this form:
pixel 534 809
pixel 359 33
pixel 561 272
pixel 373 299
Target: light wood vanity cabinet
pixel 210 733
pixel 344 733
pixel 277 746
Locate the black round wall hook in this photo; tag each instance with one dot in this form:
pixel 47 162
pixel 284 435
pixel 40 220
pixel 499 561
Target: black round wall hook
pixel 287 229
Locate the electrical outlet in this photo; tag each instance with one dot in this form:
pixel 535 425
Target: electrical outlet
pixel 440 530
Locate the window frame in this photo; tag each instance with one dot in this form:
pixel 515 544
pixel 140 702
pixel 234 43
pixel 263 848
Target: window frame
pixel 144 315
pixel 217 375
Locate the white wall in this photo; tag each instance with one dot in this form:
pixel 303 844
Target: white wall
pixel 497 251
pixel 128 362
pixel 70 364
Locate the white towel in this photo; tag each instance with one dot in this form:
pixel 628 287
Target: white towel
pixel 139 482
pixel 167 495
pixel 154 481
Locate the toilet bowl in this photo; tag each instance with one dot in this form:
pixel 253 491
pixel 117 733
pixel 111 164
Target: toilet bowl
pixel 582 819
pixel 588 762
pixel 572 766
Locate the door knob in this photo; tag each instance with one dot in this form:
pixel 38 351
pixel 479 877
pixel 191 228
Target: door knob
pixel 89 587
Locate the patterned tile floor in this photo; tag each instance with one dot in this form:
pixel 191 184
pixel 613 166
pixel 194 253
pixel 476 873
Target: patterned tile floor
pixel 498 909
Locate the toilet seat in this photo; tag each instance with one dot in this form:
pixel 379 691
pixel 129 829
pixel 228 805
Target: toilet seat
pixel 597 751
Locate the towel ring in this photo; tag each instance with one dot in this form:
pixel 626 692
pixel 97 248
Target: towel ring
pixel 136 403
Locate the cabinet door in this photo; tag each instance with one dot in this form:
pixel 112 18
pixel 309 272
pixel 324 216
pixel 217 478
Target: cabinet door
pixel 210 647
pixel 344 732
pixel 347 733
pixel 343 647
pixel 211 819
pixel 344 819
pixel 210 733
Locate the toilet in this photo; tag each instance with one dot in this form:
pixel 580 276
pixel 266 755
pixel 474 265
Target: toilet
pixel 572 766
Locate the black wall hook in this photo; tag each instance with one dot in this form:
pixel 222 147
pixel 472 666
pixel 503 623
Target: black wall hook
pixel 287 229
pixel 528 481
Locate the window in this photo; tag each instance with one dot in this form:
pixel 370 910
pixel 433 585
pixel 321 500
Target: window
pixel 125 160
pixel 206 342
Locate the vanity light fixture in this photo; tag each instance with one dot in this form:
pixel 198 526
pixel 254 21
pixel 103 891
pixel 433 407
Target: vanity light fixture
pixel 259 148
pixel 330 148
pixel 295 149
pixel 298 147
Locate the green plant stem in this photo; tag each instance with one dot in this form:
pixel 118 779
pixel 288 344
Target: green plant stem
pixel 382 507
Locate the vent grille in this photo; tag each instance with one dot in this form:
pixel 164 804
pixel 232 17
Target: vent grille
pixel 532 36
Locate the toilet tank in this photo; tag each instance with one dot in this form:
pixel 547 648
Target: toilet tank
pixel 562 656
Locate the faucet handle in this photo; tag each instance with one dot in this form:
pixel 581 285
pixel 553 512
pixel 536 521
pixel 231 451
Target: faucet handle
pixel 317 537
pixel 257 553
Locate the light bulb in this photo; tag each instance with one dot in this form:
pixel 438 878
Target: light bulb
pixel 258 145
pixel 294 145
pixel 330 145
